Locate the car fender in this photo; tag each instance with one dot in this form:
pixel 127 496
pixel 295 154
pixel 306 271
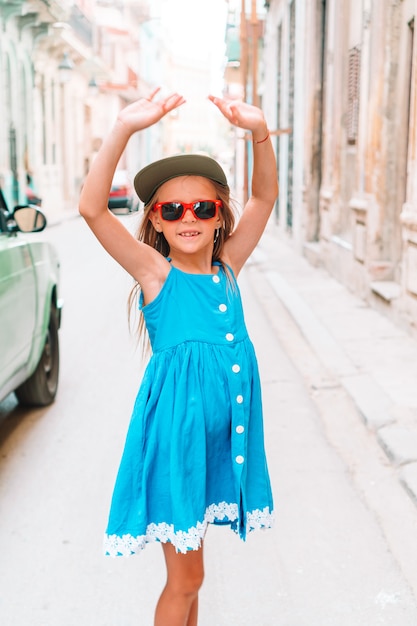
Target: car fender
pixel 47 269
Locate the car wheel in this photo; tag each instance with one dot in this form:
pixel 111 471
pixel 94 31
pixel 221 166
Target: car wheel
pixel 40 389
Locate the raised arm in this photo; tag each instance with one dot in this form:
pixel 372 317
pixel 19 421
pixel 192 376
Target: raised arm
pixel 140 260
pixel 264 188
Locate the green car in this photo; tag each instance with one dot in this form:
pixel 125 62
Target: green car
pixel 30 309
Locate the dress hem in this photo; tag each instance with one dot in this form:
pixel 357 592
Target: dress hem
pixel 184 541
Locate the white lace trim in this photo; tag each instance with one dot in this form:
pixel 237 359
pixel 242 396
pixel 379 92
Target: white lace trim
pixel 126 545
pixel 258 519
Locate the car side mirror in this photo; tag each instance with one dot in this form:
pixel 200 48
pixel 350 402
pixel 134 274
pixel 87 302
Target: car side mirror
pixel 29 219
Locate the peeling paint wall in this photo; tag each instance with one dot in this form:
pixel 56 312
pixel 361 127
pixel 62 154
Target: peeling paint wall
pixel 358 166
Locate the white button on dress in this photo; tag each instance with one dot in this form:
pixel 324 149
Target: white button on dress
pixel 230 337
pixel 240 429
pixel 222 308
pixel 239 459
pixel 239 399
pixel 216 279
pixel 236 368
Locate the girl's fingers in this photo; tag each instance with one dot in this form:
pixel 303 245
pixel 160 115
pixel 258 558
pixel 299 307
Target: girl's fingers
pixel 153 93
pixel 173 101
pixel 175 97
pixel 224 108
pixel 238 112
pixel 229 107
pixel 225 100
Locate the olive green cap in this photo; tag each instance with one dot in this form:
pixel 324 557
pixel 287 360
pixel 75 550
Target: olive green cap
pixel 148 179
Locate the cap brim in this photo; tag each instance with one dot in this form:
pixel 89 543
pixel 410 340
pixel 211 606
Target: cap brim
pixel 148 179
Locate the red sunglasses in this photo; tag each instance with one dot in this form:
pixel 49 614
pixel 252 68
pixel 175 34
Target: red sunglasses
pixel 202 209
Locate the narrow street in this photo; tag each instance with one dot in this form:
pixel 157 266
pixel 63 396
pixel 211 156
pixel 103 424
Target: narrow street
pixel 342 552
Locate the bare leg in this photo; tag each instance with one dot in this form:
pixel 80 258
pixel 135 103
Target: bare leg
pixel 178 604
pixel 193 615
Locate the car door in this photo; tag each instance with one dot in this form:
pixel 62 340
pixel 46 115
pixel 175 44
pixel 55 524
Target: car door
pixel 17 305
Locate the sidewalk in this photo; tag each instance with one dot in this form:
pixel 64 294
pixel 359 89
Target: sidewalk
pixel 374 360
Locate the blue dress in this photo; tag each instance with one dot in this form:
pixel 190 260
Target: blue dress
pixel 194 451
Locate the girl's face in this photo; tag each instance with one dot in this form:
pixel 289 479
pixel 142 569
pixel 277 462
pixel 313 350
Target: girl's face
pixel 188 234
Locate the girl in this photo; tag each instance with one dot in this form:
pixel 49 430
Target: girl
pixel 194 451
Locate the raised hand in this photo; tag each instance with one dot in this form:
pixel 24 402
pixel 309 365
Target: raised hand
pixel 147 111
pixel 241 114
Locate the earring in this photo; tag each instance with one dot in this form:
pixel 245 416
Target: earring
pixel 216 236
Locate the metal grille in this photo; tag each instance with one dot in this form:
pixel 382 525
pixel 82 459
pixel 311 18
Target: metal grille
pixel 291 78
pixel 408 107
pixel 353 94
pixel 279 91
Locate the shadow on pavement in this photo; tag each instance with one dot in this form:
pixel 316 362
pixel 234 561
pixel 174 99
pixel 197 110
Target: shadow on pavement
pixel 11 416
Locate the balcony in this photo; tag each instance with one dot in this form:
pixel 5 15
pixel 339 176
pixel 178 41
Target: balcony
pixel 81 25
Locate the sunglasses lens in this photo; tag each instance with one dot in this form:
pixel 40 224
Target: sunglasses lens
pixel 171 211
pixel 205 210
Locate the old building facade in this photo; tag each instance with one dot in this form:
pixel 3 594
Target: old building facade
pixel 66 69
pixel 342 75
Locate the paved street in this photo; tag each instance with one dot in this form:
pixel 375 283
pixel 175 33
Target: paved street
pixel 343 549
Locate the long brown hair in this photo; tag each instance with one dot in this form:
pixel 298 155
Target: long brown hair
pixel 147 234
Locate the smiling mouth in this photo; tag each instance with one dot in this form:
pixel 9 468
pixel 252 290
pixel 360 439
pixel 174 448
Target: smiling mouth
pixel 193 233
